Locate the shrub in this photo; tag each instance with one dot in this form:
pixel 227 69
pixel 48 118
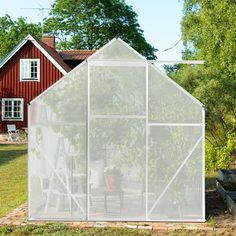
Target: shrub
pixel 220 157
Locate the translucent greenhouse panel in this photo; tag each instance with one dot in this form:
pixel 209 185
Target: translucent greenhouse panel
pixel 57 148
pixel 117 90
pixel 175 173
pixel 117 142
pixel 168 103
pixel 52 190
pixel 117 173
pixel 116 50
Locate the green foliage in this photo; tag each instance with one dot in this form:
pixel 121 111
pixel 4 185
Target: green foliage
pixel 6 230
pixel 208 33
pixel 218 94
pixel 219 157
pixel 12 32
pixel 211 220
pixel 86 25
pixel 208 30
pixel 89 24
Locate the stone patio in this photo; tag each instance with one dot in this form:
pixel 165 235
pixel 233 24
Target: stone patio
pixel 224 224
pixel 4 140
pixel 18 217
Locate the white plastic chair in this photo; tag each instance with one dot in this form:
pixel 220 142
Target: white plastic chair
pixel 13 133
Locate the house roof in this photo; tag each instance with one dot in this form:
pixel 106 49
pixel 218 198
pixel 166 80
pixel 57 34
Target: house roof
pixel 75 54
pixel 54 54
pixel 47 52
pixel 57 58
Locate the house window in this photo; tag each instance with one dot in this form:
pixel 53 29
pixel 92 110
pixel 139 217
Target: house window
pixel 29 69
pixel 12 109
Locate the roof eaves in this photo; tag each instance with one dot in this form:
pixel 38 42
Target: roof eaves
pixel 40 47
pixel 5 59
pixel 77 55
pixel 55 55
pixel 49 56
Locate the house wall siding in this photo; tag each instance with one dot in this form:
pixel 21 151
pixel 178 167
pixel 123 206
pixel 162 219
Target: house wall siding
pixel 11 87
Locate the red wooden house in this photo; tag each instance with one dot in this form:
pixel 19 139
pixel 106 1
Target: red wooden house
pixel 29 69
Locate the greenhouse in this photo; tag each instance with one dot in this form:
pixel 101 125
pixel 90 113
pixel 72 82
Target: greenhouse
pixel 116 140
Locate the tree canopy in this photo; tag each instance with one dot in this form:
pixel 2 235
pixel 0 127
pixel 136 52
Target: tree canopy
pixel 208 33
pixel 12 32
pixel 89 24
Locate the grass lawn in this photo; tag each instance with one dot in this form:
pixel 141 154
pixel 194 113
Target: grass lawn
pixel 61 229
pixel 13 177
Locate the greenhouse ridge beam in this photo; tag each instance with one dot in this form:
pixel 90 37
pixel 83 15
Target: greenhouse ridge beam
pixel 187 62
pixel 113 62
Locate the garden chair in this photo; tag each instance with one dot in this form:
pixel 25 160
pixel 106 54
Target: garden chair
pixel 13 133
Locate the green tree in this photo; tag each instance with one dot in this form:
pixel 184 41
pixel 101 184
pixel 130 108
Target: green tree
pixel 89 24
pixel 12 32
pixel 208 33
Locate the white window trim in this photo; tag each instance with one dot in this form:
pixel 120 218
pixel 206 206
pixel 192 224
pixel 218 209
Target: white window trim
pixel 3 109
pixel 38 70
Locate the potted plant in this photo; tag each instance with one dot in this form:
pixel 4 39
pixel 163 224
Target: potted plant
pixel 113 178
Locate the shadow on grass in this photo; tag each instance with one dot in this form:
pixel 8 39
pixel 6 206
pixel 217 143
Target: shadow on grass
pixel 10 152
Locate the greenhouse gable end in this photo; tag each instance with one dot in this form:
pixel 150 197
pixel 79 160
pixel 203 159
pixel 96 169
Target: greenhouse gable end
pixel 116 140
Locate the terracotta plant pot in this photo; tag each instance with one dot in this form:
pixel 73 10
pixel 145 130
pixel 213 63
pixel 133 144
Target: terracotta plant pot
pixel 113 181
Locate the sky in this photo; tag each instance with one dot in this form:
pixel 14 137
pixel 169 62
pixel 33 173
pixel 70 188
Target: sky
pixel 159 19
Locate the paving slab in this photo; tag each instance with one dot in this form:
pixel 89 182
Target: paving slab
pixel 18 217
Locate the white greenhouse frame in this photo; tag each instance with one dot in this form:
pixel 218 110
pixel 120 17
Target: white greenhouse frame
pixel 53 193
